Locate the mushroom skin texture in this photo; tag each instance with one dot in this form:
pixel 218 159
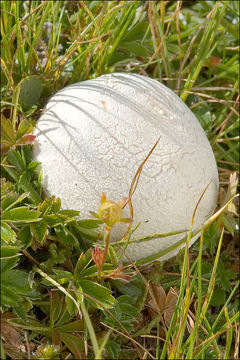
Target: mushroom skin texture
pixel 92 137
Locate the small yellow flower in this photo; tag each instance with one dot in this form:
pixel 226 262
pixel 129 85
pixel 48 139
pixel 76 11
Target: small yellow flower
pixel 110 212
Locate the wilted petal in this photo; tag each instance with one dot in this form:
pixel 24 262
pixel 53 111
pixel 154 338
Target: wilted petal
pixel 119 274
pixel 98 257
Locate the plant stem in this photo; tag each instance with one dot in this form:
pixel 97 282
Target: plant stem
pixel 90 330
pixel 99 354
pixel 55 283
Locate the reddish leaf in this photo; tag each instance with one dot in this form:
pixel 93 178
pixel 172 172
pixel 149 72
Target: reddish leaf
pixel 26 140
pixel 56 337
pixel 98 257
pixel 213 61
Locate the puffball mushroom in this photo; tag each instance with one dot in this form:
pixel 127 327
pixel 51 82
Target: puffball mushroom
pixel 92 137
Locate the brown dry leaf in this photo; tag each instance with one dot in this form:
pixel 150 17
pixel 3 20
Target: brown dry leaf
pixel 156 301
pixel 141 322
pixel 13 344
pixel 159 302
pixel 171 301
pixel 190 323
pixel 9 333
pixel 13 353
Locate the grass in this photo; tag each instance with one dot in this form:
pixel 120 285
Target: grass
pixel 53 302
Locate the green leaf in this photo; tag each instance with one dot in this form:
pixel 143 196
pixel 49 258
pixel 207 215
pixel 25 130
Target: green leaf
pixel 224 275
pixel 9 297
pixel 69 213
pixel 24 179
pixel 7 130
pixel 22 308
pixel 89 223
pixel 65 316
pixel 39 230
pixel 15 159
pixel 56 306
pixel 133 289
pixel 12 199
pixel 218 297
pixel 98 292
pixel 65 236
pixel 130 310
pixel 113 349
pixel 134 47
pixel 9 257
pixel 203 114
pixel 74 343
pixel 136 32
pixel 83 261
pixel 24 127
pixel 71 307
pixel 33 194
pixel 25 236
pixel 72 326
pixel 30 92
pixel 7 233
pixel 20 214
pixel 18 281
pixel 92 270
pixel 55 219
pixel 49 206
pixel 8 252
pixel 230 223
pixel 124 311
pixel 87 233
pixel 62 275
pixel 126 305
pixel 8 200
pixel 33 165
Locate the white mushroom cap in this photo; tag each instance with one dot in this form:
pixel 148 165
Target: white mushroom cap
pixel 93 136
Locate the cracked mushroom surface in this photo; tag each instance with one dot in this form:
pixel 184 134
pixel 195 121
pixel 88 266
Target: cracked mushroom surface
pixel 92 137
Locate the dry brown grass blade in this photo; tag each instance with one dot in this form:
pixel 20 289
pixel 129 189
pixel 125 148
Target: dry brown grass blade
pixel 151 293
pixel 222 126
pixel 94 39
pixel 129 338
pixel 196 207
pixel 216 214
pixel 236 348
pixel 188 52
pixel 5 67
pixel 215 336
pixel 133 187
